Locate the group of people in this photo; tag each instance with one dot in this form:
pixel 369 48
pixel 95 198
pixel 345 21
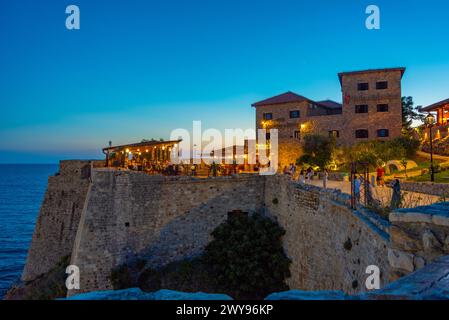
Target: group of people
pixel 290 170
pixel 370 191
pixel 305 175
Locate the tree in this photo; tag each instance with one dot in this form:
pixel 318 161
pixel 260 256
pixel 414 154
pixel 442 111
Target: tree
pixel 409 114
pixel 404 163
pixel 317 150
pixel 247 257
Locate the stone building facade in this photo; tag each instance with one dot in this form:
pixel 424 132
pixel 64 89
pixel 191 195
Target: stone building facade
pixel 371 109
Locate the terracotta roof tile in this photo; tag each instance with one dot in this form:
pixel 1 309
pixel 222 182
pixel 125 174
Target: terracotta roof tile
pixel 282 98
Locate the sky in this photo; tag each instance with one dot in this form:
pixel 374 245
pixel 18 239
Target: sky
pixel 139 69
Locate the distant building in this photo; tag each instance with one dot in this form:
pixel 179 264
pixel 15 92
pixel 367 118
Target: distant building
pixel 371 109
pixel 441 109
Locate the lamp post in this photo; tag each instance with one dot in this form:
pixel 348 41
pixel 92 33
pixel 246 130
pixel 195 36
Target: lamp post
pixel 430 122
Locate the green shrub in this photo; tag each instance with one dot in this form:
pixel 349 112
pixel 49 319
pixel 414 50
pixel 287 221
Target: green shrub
pixel 247 258
pixel 317 150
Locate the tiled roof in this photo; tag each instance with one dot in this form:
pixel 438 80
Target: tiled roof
pixel 435 106
pixel 371 71
pixel 282 98
pixel 330 104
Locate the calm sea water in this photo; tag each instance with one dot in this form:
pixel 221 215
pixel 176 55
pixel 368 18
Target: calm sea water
pixel 22 189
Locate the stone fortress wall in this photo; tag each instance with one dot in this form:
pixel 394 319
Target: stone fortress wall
pixel 58 219
pixel 103 218
pixel 329 244
pixel 131 215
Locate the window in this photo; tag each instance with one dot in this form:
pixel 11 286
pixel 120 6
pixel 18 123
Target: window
pixel 362 108
pixel 294 114
pixel 361 134
pixel 382 108
pixel 383 133
pixel 381 85
pixel 268 116
pixel 297 135
pixel 363 86
pixel 334 133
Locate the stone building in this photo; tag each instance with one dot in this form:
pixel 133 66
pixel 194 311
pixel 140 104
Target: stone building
pixel 371 109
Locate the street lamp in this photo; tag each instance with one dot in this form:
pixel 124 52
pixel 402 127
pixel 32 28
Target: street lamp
pixel 430 122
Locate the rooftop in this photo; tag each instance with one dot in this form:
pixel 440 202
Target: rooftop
pixel 144 143
pixel 401 69
pixel 437 105
pixel 281 98
pixel 289 96
pixel 330 104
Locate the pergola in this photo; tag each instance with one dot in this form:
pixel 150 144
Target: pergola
pixel 442 110
pixel 141 154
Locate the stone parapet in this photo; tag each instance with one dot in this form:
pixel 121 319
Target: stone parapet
pixel 418 237
pixel 436 189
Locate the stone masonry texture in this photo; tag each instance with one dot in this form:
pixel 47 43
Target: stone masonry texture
pixel 58 219
pixel 103 218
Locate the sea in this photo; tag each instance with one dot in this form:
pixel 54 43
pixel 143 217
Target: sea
pixel 22 190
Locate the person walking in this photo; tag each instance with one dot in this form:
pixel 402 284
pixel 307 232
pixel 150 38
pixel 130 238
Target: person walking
pixel 396 198
pixel 380 172
pixel 292 170
pixel 357 185
pixel 325 178
pixel 308 174
pixel 302 177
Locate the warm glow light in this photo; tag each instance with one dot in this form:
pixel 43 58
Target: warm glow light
pixel 146 151
pixel 163 147
pixel 127 150
pixel 303 126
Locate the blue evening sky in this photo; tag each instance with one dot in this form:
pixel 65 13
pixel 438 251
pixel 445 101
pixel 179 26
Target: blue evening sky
pixel 139 69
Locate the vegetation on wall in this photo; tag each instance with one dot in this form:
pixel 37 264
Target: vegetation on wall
pixel 247 257
pixel 244 260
